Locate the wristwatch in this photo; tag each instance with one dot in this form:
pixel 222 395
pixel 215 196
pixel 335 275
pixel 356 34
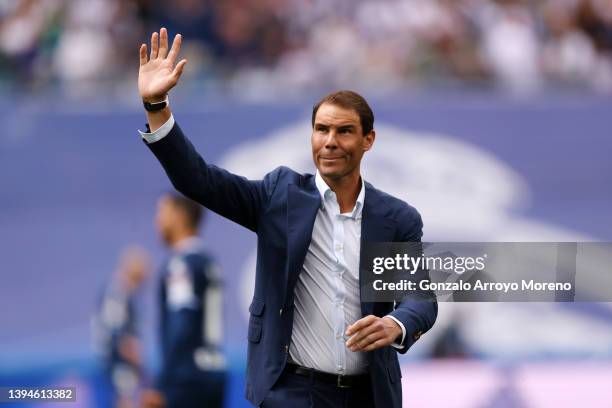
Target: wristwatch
pixel 155 106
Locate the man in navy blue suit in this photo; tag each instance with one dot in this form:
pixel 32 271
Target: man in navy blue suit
pixel 311 341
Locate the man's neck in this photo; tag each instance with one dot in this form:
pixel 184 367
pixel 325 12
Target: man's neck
pixel 182 236
pixel 347 190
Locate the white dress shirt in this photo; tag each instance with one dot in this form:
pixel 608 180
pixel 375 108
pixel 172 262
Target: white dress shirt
pixel 327 297
pixel 327 291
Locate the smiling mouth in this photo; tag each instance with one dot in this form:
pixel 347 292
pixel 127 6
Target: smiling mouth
pixel 331 158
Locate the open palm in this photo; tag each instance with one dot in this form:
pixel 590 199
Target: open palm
pixel 158 73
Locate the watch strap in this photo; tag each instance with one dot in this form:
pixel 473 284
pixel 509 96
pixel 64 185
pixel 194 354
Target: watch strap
pixel 155 106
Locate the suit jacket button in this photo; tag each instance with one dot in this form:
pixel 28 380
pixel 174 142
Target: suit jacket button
pixel 280 312
pixel 417 335
pixel 286 349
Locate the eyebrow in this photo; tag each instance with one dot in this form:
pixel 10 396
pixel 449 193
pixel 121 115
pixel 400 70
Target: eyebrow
pixel 345 126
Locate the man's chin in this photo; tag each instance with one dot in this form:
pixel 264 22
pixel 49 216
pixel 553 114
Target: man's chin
pixel 330 173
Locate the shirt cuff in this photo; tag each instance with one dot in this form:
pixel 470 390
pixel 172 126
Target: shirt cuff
pixel 399 345
pixel 160 133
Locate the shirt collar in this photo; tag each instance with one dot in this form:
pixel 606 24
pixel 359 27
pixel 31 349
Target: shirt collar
pixel 327 194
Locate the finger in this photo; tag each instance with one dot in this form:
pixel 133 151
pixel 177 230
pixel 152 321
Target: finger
pixel 364 332
pixel 176 47
pixel 163 43
pixel 367 340
pixel 359 335
pixel 178 70
pixel 359 324
pixel 143 54
pixel 376 345
pixel 154 45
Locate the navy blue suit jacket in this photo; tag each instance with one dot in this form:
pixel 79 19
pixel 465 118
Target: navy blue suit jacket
pixel 281 210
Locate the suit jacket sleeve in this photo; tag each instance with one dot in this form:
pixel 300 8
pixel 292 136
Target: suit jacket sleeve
pixel 232 196
pixel 418 316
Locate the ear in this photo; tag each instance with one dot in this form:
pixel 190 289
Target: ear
pixel 369 140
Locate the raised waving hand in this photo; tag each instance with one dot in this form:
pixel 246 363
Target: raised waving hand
pixel 159 72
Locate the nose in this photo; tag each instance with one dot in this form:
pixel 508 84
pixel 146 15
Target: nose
pixel 330 140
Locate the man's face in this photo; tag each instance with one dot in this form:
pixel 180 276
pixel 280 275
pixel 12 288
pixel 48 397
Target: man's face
pixel 134 268
pixel 166 219
pixel 338 142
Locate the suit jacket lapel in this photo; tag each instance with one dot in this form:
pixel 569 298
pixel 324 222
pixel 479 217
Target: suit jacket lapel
pixel 303 202
pixel 376 226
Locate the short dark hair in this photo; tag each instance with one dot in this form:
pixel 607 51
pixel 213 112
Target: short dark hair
pixel 349 100
pixel 190 208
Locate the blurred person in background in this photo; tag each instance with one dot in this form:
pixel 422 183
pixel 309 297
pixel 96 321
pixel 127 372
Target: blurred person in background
pixel 27 35
pixel 193 371
pixel 569 55
pixel 510 44
pixel 115 328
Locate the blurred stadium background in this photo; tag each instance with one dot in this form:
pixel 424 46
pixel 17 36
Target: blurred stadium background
pixel 493 119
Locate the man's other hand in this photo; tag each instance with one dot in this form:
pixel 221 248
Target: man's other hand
pixel 158 73
pixel 372 332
